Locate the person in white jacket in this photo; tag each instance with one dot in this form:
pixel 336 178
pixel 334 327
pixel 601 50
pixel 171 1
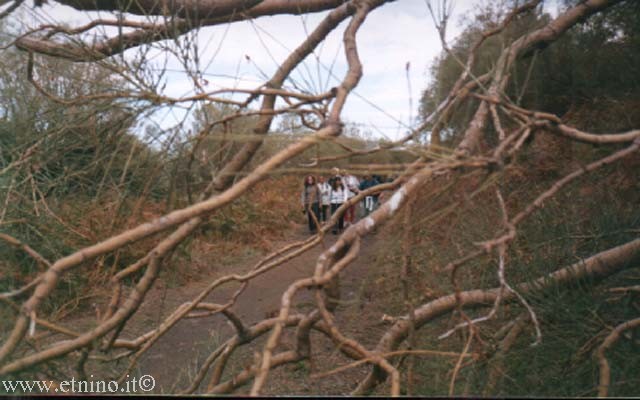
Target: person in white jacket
pixel 325 199
pixel 310 199
pixel 338 197
pixel 351 184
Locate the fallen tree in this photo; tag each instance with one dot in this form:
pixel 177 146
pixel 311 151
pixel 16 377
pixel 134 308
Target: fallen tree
pixel 514 125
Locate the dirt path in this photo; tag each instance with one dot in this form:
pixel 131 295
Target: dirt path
pixel 174 359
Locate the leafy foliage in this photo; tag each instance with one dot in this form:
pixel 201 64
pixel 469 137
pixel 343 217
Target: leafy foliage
pixel 593 65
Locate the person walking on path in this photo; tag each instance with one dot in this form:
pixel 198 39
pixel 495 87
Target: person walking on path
pixel 338 197
pixel 369 202
pixel 325 198
pixel 351 184
pixel 310 202
pixel 335 174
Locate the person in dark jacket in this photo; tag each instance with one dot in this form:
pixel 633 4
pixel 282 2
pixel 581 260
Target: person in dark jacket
pixel 369 202
pixel 335 174
pixel 311 202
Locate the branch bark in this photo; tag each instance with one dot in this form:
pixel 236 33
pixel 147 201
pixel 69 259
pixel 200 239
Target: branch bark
pixel 185 15
pixel 596 267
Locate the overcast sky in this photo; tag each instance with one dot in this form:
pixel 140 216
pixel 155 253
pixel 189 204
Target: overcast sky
pixel 393 35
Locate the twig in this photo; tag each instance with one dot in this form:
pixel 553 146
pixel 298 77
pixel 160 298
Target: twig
pixel 456 369
pixel 418 352
pixel 605 370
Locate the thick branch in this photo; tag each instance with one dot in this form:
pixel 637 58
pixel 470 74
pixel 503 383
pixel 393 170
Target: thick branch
pixel 233 10
pixel 208 13
pixel 596 267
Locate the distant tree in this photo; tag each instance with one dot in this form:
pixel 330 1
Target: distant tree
pixel 558 79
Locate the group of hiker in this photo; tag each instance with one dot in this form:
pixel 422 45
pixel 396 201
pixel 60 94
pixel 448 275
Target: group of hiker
pixel 321 198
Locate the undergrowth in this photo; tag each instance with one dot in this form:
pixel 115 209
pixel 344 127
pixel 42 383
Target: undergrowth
pixel 597 212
